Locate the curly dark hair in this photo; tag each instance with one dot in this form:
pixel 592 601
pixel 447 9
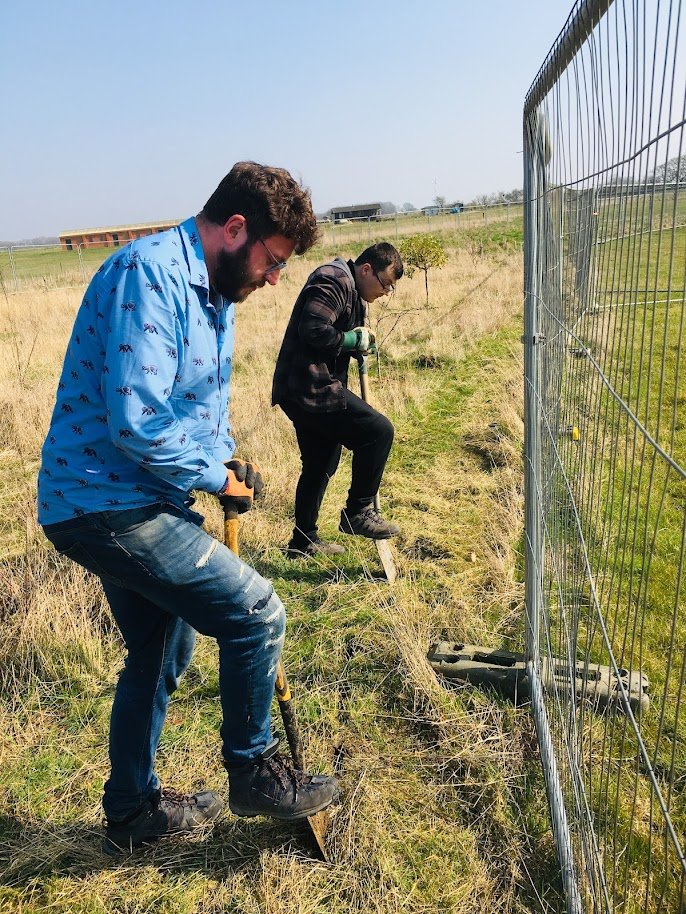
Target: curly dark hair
pixel 271 200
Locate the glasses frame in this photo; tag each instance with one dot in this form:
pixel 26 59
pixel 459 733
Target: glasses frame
pixel 277 265
pixel 387 290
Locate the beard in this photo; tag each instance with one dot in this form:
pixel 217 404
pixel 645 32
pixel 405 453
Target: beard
pixel 231 278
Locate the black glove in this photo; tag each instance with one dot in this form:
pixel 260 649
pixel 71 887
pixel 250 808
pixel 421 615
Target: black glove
pixel 243 484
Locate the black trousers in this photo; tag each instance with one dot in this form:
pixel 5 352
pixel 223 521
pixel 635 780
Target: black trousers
pixel 321 437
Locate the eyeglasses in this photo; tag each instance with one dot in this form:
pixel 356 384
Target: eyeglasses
pixel 387 289
pixel 276 263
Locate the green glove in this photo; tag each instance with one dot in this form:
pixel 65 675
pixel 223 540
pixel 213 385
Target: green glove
pixel 360 339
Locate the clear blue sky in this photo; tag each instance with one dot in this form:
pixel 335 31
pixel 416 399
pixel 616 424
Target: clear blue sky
pixel 133 111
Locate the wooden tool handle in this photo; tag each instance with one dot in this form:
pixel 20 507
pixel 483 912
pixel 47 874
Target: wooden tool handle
pixel 281 687
pixel 283 695
pixel 364 391
pixel 231 530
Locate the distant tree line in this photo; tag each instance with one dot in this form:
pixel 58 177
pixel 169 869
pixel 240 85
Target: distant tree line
pixel 672 172
pixel 512 196
pixel 42 239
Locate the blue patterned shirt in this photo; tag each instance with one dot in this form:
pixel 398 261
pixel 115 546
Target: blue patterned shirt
pixel 142 404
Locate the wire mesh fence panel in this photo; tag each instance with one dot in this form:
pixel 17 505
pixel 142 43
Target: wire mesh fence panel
pixel 6 274
pixel 433 219
pixel 54 265
pixel 25 267
pixel 605 378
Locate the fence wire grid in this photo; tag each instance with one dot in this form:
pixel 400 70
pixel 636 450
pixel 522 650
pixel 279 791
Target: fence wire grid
pixel 605 451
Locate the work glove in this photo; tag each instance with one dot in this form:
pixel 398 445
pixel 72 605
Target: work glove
pixel 360 339
pixel 243 484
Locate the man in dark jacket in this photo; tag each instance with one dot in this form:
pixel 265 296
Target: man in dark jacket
pixel 326 329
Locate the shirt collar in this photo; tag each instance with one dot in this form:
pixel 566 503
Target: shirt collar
pixel 195 256
pixel 351 267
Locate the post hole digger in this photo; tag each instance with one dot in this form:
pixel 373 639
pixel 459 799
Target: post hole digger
pixel 318 822
pixel 382 545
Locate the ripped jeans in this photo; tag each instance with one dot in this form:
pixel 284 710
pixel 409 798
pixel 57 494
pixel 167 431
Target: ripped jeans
pixel 166 578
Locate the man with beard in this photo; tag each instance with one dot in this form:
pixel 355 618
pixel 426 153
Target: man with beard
pixel 140 421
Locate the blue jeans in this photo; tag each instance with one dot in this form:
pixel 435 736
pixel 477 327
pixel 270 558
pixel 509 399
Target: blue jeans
pixel 165 578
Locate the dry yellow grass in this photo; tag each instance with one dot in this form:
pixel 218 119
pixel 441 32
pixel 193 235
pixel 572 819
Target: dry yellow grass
pixel 433 779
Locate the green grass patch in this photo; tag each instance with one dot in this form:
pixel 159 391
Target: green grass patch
pixel 443 807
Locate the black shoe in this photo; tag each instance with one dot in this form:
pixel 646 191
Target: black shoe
pixel 367 522
pixel 271 786
pixel 165 813
pixel 314 546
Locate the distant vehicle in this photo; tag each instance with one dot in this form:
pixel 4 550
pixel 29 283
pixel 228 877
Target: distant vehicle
pixel 457 208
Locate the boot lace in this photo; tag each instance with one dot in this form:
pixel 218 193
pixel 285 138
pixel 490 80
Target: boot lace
pixel 176 797
pixel 285 771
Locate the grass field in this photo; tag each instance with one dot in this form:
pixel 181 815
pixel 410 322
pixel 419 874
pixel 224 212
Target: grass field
pixel 52 267
pixel 630 506
pixel 443 808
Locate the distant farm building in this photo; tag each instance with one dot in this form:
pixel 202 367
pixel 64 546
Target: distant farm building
pixel 435 210
pixel 363 211
pixel 112 236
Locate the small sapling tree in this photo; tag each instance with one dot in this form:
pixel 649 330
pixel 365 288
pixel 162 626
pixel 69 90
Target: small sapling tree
pixel 422 252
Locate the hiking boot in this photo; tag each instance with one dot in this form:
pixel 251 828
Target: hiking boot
pixel 270 786
pixel 165 813
pixel 314 546
pixel 367 522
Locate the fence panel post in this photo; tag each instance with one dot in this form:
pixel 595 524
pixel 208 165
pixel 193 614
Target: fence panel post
pixel 81 267
pixel 13 267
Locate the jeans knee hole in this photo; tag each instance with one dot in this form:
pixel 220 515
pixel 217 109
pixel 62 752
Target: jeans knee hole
pixel 207 555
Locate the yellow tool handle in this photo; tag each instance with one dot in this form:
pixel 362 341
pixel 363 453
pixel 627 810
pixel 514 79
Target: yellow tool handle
pixel 319 822
pixel 231 530
pixel 281 687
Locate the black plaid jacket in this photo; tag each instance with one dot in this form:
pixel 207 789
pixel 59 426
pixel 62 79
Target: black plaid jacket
pixel 311 371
